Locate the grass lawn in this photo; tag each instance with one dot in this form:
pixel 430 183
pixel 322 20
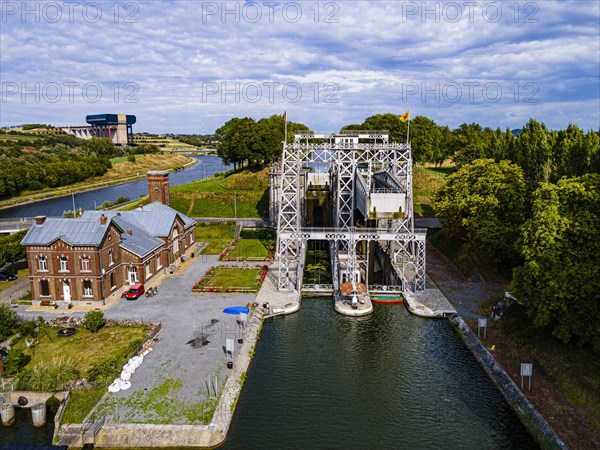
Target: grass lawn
pixel 249 248
pixel 218 235
pixel 80 404
pixel 18 137
pixel 238 278
pixel 426 181
pixel 84 347
pixel 23 273
pixel 241 194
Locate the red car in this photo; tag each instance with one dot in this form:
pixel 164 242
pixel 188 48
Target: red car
pixel 135 291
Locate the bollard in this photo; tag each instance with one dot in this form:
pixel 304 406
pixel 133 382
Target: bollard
pixel 38 415
pixel 7 413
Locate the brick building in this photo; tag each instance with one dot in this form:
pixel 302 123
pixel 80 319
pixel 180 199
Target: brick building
pixel 84 261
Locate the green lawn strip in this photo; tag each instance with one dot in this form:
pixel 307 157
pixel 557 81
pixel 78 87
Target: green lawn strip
pixel 85 348
pixel 249 248
pixel 80 404
pixel 218 235
pixel 18 137
pixel 426 182
pixel 237 278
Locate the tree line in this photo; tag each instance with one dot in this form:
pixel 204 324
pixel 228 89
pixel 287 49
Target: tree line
pixel 244 141
pixel 57 160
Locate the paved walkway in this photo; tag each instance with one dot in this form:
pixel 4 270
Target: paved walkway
pixel 465 295
pixel 19 289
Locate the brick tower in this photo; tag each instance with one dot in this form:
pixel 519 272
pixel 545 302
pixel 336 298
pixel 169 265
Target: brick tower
pixel 158 186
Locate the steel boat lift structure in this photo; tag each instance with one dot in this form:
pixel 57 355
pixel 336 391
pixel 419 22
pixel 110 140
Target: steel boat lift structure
pixel 366 173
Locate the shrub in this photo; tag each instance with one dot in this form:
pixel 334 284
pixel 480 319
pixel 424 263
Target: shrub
pixel 50 377
pixel 15 361
pixel 94 320
pixel 8 321
pixel 106 369
pixel 27 328
pixel 131 158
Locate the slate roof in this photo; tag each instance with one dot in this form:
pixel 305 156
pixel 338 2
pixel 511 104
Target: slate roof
pixel 138 242
pixel 147 224
pixel 72 231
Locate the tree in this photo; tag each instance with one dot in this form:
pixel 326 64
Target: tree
pixel 11 249
pixel 532 150
pixel 560 244
pixel 99 147
pixel 8 321
pixel 483 203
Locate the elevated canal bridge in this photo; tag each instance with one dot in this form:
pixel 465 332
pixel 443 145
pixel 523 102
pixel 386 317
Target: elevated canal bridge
pixel 352 189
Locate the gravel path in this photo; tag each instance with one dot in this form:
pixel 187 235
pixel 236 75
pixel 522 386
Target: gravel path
pixel 464 295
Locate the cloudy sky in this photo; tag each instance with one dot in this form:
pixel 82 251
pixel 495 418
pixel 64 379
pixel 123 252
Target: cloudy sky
pixel 188 66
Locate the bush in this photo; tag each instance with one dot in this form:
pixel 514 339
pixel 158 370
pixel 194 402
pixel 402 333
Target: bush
pixel 8 321
pixel 131 159
pixel 27 329
pixel 50 377
pixel 94 320
pixel 107 369
pixel 15 361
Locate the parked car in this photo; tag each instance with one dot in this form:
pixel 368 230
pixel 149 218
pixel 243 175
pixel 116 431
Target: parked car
pixel 7 276
pixel 135 291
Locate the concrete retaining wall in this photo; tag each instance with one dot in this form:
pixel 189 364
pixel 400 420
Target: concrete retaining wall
pixel 529 415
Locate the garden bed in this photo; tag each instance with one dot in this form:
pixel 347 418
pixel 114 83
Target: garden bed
pixel 246 250
pixel 232 279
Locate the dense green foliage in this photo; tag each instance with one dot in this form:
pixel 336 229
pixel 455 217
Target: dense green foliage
pixel 11 249
pixel 108 368
pixel 94 320
pixel 484 204
pixel 56 160
pixel 256 143
pixel 8 321
pixel 15 361
pixel 49 376
pixel 560 277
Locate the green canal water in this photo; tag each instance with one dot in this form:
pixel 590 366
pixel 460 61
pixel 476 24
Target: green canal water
pixel 389 380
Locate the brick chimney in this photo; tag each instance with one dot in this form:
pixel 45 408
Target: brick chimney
pixel 129 232
pixel 40 219
pixel 102 219
pixel 158 186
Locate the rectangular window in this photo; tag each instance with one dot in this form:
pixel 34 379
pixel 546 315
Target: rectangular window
pixel 63 265
pixel 148 271
pixel 42 264
pixel 44 288
pixel 85 265
pixel 110 258
pixel 87 288
pixel 112 280
pixel 158 264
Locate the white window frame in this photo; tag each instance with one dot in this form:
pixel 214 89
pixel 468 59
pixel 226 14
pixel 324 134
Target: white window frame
pixel 64 264
pixel 42 264
pixel 87 292
pixel 85 265
pixel 158 263
pixel 111 259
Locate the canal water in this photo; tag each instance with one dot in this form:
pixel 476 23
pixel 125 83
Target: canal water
pixel 390 380
pixel 23 434
pixel 207 166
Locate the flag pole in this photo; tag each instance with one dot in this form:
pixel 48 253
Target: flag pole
pixel 408 131
pixel 285 127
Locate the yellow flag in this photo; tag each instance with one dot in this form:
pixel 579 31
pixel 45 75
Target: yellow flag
pixel 406 116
